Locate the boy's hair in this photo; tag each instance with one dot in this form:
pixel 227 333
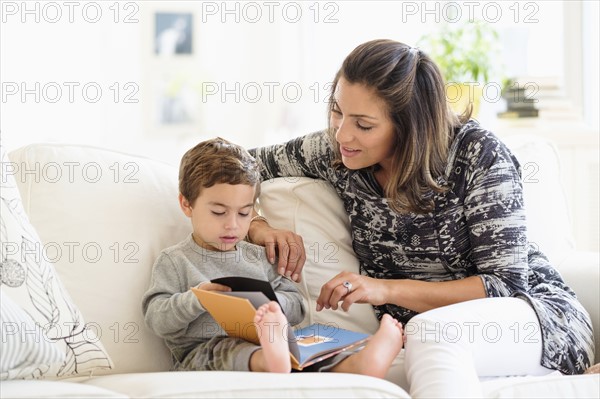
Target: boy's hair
pixel 216 161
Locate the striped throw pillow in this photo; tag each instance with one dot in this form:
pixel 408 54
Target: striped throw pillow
pixel 23 344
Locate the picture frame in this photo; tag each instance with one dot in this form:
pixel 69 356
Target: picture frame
pixel 173 33
pixel 171 88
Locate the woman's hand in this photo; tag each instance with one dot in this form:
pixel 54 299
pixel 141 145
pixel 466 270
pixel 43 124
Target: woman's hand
pixel 287 244
pixel 352 288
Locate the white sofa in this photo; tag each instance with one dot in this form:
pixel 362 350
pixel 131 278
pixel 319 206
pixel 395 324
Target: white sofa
pixel 103 216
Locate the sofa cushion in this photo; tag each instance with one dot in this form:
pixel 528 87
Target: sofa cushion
pixel 23 345
pixel 231 384
pixel 554 385
pixel 313 210
pixel 548 219
pixel 105 216
pixel 21 389
pixel 30 280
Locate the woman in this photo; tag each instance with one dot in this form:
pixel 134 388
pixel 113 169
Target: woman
pixel 438 224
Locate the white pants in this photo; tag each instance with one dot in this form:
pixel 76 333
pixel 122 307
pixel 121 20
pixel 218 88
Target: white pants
pixel 449 348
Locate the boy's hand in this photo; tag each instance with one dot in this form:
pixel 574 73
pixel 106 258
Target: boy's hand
pixel 208 286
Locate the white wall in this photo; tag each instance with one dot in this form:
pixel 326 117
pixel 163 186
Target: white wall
pixel 591 63
pixel 41 56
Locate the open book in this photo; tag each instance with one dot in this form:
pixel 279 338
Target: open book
pixel 234 311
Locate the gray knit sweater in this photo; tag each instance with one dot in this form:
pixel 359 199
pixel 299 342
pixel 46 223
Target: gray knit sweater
pixel 174 313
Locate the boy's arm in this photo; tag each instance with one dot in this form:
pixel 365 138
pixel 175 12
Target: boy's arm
pixel 288 296
pixel 169 307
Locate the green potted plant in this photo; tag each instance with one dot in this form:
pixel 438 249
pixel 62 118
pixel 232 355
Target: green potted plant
pixel 467 55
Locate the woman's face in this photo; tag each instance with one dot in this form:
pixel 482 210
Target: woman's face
pixel 363 130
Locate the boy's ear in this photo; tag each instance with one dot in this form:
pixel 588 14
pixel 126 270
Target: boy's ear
pixel 185 205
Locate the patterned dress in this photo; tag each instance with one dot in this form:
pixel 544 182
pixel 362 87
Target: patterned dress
pixel 477 228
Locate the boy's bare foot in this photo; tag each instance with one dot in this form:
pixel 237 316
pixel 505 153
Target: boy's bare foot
pixel 377 356
pixel 271 323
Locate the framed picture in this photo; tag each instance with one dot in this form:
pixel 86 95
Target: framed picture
pixel 172 82
pixel 173 33
pixel 177 99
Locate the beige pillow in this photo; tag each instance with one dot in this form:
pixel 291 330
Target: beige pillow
pixel 312 209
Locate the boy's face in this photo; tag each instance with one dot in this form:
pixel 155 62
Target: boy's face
pixel 220 215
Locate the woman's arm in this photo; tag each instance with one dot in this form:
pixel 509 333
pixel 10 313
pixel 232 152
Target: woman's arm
pixel 415 295
pixel 495 219
pixel 421 296
pixel 308 156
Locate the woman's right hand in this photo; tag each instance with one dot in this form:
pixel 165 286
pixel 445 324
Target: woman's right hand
pixel 287 244
pixel 350 288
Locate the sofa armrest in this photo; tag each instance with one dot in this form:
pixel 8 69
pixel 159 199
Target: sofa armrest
pixel 581 272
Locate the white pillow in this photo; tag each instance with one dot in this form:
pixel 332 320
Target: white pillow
pixel 32 283
pixel 548 222
pixel 312 209
pixel 24 347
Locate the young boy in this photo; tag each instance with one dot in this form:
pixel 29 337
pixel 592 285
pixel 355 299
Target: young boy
pixel 219 183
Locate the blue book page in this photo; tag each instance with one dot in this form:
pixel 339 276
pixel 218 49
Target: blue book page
pixel 319 341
